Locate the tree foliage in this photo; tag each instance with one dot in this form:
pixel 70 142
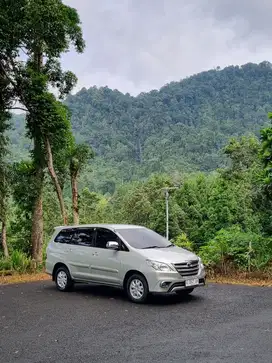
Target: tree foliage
pixel 176 135
pixel 34 34
pixel 181 127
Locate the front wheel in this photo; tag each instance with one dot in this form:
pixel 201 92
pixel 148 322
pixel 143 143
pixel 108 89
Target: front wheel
pixel 137 288
pixel 184 292
pixel 63 279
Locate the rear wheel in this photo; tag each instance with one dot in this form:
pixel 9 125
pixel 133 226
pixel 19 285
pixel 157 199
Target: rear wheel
pixel 63 279
pixel 137 288
pixel 184 292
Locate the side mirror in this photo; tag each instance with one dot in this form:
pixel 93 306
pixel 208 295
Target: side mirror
pixel 112 245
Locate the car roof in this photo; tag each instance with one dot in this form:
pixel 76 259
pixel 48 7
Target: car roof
pixel 109 226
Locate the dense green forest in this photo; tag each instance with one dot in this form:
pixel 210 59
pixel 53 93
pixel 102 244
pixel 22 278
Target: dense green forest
pixel 181 127
pixel 224 216
pixel 186 134
pixel 101 156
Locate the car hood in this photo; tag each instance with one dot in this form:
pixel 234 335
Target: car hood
pixel 169 255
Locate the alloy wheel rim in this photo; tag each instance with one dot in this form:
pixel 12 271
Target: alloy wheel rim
pixel 62 279
pixel 136 289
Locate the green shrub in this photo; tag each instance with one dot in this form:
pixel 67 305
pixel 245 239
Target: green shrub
pixel 183 241
pixel 20 261
pixel 234 247
pixel 5 264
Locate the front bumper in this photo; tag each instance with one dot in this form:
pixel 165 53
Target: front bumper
pixel 167 282
pixel 181 285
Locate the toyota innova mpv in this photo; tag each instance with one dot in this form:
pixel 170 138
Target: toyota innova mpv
pixel 134 258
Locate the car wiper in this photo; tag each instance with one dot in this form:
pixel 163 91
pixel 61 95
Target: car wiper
pixel 145 248
pixel 171 245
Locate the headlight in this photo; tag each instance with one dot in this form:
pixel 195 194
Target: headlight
pixel 160 266
pixel 200 263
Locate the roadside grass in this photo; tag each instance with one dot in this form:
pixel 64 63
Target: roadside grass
pixel 16 278
pixel 255 278
pixel 241 280
pixel 11 277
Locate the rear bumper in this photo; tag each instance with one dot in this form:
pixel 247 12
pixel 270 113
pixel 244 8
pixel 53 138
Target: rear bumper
pixel 49 267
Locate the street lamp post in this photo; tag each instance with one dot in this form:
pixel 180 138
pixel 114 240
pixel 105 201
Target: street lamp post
pixel 167 212
pixel 166 193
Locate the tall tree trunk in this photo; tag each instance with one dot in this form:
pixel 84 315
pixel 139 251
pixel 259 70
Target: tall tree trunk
pixel 37 219
pixel 55 180
pixel 75 198
pixel 4 239
pixel 37 212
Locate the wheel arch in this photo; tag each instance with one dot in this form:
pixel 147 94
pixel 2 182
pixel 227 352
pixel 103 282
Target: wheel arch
pixel 56 267
pixel 131 273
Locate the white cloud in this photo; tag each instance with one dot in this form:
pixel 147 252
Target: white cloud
pixel 137 45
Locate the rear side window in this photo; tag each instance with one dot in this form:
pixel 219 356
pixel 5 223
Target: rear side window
pixel 65 236
pixel 84 237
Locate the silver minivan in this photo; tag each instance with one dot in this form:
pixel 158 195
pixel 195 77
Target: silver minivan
pixel 134 258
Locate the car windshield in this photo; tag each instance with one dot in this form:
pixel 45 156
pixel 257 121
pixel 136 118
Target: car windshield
pixel 142 238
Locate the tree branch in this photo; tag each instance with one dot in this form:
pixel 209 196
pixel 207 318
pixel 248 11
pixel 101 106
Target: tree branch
pixel 14 84
pixel 23 50
pixel 18 108
pixel 6 75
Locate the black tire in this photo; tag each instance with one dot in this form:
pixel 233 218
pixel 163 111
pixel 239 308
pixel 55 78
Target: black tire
pixel 184 292
pixel 136 283
pixel 63 284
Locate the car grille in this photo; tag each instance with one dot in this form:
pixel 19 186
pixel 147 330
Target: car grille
pixel 188 268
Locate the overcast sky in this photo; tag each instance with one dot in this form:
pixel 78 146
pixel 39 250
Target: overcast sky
pixel 138 45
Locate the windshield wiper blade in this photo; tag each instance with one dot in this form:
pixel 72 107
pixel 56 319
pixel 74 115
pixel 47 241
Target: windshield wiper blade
pixel 171 245
pixel 145 248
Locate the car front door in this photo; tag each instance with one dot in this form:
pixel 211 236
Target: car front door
pixel 106 265
pixel 81 254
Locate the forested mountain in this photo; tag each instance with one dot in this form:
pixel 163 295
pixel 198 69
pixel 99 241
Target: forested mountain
pixel 181 127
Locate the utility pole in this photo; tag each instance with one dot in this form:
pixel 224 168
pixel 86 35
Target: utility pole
pixel 166 193
pixel 167 212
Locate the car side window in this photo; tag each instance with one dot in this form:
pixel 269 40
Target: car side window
pixel 84 237
pixel 65 236
pixel 105 235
